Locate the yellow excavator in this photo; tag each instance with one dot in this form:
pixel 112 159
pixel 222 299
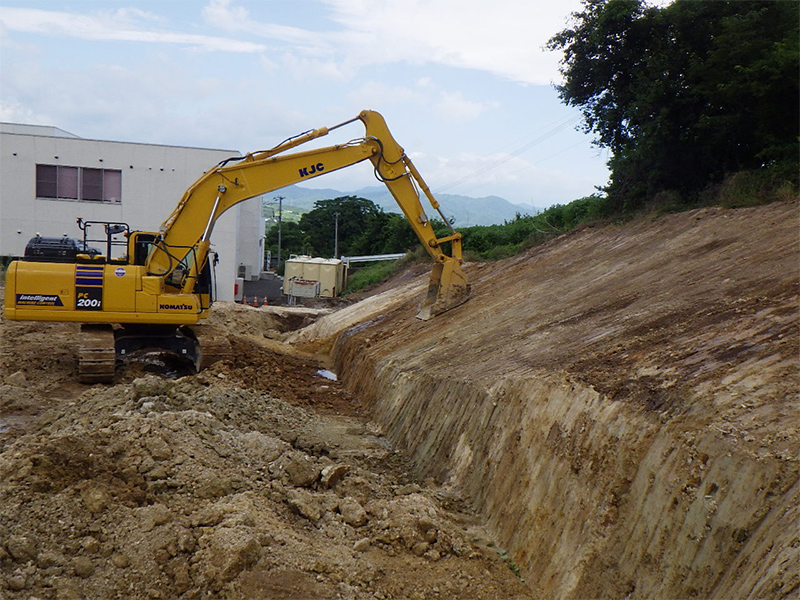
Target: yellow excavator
pixel 155 295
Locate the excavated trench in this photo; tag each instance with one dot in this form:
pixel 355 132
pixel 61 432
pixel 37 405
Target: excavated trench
pixel 618 408
pixel 620 405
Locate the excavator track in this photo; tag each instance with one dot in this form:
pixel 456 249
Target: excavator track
pixel 214 346
pixel 96 354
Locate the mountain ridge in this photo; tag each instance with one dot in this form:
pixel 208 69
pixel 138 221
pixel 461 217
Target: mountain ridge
pixel 465 211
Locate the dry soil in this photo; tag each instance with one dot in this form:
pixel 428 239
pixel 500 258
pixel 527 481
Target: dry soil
pixel 614 414
pixel 259 478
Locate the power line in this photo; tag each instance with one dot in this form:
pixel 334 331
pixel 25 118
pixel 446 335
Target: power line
pixel 555 129
pixel 514 153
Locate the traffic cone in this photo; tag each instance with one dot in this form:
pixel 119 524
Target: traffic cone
pixel 255 301
pixel 265 303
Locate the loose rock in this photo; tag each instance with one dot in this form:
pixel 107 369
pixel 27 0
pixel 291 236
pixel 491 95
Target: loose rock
pixel 332 474
pixel 21 548
pixel 120 561
pixel 352 512
pixel 301 470
pixel 83 566
pixel 96 499
pixel 17 378
pixel 304 504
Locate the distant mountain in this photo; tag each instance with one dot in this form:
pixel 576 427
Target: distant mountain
pixel 465 210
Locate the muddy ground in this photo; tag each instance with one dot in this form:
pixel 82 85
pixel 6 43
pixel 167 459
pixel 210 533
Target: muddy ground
pixel 259 478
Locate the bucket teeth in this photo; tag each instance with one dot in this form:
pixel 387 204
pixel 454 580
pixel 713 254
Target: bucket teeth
pixel 447 289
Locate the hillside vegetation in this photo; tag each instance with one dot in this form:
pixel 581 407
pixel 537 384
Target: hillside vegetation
pixel 696 102
pixel 685 95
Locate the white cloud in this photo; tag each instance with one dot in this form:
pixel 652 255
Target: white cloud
pixel 220 13
pixel 380 93
pixel 503 37
pixel 117 26
pixel 293 78
pixel 455 108
pixel 304 68
pixel 15 112
pixel 237 19
pixel 516 179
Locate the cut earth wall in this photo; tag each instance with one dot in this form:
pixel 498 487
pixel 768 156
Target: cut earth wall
pixel 620 405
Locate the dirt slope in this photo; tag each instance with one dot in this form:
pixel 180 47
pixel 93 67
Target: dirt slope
pixel 621 404
pixel 614 414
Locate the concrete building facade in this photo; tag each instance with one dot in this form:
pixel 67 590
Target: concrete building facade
pixel 49 178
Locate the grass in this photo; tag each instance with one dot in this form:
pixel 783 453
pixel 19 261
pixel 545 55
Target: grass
pixel 751 188
pixel 371 274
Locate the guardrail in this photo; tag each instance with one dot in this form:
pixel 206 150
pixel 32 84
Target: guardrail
pixel 371 258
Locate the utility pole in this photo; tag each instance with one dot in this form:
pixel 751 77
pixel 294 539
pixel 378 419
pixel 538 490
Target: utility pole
pixel 280 214
pixel 336 236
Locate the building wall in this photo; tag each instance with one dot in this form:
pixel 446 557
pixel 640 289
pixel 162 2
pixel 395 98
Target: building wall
pixel 250 244
pixel 153 180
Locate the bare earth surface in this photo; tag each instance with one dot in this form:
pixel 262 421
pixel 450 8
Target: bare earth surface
pixel 259 478
pixel 676 342
pixel 621 405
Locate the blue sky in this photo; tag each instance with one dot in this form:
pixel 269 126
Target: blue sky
pixel 465 85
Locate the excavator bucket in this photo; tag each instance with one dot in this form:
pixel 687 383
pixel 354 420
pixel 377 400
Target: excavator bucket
pixel 447 289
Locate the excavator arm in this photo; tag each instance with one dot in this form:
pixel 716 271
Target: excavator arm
pixel 155 295
pixel 184 238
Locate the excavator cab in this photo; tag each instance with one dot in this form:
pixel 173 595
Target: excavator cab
pixel 139 245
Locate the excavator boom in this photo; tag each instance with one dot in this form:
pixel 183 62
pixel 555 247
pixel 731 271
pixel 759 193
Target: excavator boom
pixel 185 233
pixel 154 295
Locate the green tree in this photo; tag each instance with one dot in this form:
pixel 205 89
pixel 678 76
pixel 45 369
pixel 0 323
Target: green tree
pixel 354 216
pixel 398 235
pixel 293 240
pixel 363 228
pixel 685 94
pixel 384 233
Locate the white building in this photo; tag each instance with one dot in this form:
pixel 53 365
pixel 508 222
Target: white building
pixel 49 178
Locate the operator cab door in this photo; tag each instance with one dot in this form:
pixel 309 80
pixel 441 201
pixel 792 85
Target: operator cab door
pixel 141 244
pixel 206 287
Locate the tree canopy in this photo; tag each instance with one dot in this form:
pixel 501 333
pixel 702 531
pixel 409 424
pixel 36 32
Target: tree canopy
pixel 363 228
pixel 686 94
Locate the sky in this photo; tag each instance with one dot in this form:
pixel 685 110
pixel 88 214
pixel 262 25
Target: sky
pixel 466 86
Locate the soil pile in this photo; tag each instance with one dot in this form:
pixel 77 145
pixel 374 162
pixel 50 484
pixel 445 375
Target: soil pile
pixel 259 477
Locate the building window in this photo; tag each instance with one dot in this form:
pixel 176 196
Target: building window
pixel 78 183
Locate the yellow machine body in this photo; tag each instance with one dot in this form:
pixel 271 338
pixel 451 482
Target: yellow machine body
pixel 95 293
pixel 165 277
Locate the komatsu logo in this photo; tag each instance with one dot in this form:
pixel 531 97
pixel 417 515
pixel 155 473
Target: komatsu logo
pixel 312 170
pixel 175 307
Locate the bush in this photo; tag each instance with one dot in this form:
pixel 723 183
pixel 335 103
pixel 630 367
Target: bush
pixel 750 188
pixel 501 252
pixel 371 274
